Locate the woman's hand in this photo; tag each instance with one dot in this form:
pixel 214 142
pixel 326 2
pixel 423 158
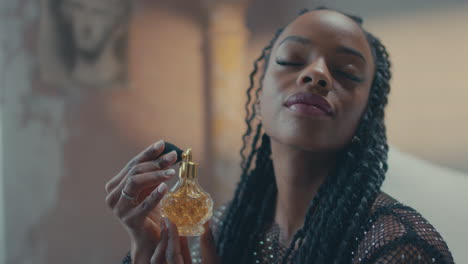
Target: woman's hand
pixel 173 249
pixel 134 194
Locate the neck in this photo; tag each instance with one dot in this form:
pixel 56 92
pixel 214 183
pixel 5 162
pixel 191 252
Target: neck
pixel 298 174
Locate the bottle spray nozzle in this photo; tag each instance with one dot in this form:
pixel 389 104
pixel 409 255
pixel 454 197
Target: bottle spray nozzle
pixel 188 168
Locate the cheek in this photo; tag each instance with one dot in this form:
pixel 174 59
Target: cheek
pixel 353 106
pixel 270 106
pixel 269 102
pixel 277 80
pixel 274 88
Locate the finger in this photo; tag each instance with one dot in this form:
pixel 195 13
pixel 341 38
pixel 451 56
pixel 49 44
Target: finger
pixel 141 211
pixel 152 151
pixel 208 247
pixel 112 183
pixel 184 247
pixel 159 255
pixel 137 183
pixel 173 252
pixel 161 163
pixel 150 202
pixel 164 162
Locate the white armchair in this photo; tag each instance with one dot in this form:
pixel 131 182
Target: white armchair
pixel 439 194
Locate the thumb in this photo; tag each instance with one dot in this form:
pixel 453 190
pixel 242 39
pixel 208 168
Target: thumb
pixel 208 247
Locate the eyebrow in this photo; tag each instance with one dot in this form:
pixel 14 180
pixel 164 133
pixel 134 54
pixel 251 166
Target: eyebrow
pixel 299 39
pixel 306 41
pixel 351 51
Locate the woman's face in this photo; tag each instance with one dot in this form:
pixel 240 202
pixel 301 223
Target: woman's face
pixel 317 82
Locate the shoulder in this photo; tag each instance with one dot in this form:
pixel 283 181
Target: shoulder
pixel 396 233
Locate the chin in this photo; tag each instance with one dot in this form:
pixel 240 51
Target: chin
pixel 313 142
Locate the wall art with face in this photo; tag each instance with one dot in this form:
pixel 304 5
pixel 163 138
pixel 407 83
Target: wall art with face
pixel 83 43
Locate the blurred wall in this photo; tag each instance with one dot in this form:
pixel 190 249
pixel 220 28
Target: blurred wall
pixel 61 150
pixel 24 193
pixel 427 112
pixel 2 176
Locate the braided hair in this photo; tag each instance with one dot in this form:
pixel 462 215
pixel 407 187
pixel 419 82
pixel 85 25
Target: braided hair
pixel 338 211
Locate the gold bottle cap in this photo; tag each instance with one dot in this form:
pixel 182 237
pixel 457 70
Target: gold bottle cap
pixel 188 169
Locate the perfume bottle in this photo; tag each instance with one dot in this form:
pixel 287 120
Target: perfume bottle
pixel 186 204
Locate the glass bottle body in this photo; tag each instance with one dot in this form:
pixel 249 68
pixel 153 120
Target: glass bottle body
pixel 187 206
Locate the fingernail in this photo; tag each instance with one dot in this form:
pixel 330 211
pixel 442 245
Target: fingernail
pixel 162 187
pixel 168 158
pixel 169 172
pixel 158 144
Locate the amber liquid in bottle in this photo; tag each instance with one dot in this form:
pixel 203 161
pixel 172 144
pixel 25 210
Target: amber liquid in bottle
pixel 187 205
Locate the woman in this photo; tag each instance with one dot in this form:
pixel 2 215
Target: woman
pixel 310 187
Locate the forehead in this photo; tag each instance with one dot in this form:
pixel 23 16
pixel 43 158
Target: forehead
pixel 328 28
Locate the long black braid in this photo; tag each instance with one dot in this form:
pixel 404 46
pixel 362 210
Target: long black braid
pixel 336 215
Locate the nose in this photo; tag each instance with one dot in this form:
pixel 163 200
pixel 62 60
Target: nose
pixel 316 77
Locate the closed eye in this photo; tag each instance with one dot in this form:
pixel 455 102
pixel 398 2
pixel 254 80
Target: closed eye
pixel 286 63
pixel 340 72
pixel 349 76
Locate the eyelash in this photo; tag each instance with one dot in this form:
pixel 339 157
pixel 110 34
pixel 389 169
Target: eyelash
pixel 345 74
pixel 349 76
pixel 284 63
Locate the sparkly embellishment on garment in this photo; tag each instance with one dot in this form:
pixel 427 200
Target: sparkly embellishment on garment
pixel 386 238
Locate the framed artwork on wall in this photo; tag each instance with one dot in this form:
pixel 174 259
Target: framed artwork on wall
pixel 83 43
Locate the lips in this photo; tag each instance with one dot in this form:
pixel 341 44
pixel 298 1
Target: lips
pixel 311 100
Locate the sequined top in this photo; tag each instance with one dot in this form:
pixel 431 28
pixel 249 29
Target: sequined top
pixel 394 233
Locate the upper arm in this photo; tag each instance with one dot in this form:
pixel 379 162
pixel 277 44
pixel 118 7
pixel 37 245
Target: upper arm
pixel 400 236
pixel 407 253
